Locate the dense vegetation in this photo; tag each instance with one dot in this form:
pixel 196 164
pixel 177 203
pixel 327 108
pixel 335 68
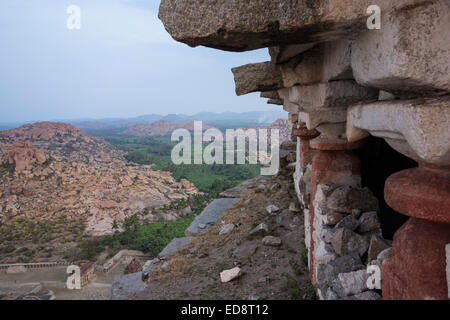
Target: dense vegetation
pixel 211 179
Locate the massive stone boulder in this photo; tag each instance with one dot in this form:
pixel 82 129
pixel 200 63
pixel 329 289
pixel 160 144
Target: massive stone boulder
pixel 241 25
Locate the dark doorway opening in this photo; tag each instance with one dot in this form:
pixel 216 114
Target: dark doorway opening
pixel 378 162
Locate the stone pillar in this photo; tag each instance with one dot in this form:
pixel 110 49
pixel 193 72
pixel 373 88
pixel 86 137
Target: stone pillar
pixel 417 268
pixel 333 162
pixel 304 135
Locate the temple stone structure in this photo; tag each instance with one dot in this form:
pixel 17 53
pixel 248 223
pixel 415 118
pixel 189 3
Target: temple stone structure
pixel 343 83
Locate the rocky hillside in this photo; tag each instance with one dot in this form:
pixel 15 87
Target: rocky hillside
pixel 159 128
pixel 60 140
pixel 254 251
pixel 58 184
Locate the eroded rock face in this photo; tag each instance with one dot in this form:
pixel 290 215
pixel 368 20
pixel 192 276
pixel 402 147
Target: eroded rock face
pixel 23 155
pixel 242 25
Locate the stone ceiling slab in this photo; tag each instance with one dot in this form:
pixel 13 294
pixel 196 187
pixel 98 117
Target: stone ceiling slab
pixel 256 77
pixel 242 25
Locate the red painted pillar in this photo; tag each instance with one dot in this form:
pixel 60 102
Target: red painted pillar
pixel 417 268
pixel 305 135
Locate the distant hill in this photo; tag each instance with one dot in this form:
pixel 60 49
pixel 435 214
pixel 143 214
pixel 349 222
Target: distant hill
pixel 159 128
pixel 225 119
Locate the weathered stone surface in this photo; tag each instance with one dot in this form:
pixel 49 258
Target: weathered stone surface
pixel 325 62
pixel 346 198
pixel 350 283
pixel 323 254
pixel 256 77
pixel 175 245
pixel 294 207
pixel 125 284
pixel 349 222
pixel 368 222
pixel 346 241
pixel 326 234
pixel 331 295
pixel 216 209
pixel 230 275
pixel 377 246
pixel 417 268
pixel 283 54
pixel 385 254
pixel 260 230
pixel 406 55
pixel 332 217
pixel 270 95
pixel 326 273
pixel 148 267
pixel 332 94
pixel 366 295
pixel 272 209
pixel 271 241
pixel 226 229
pixel 245 250
pixel 42 296
pixel 405 125
pixel 237 25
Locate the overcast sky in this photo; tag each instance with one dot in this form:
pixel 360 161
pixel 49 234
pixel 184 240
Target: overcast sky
pixel 121 63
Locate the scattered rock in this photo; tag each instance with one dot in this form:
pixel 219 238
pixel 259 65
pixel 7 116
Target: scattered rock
pixel 271 241
pixel 254 297
pixel 368 222
pixel 229 275
pixel 272 209
pixel 294 207
pixel 165 266
pixel 226 229
pixel 260 230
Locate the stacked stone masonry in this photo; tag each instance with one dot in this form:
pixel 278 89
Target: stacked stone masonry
pixel 342 82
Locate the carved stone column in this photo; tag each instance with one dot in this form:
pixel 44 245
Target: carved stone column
pixel 418 129
pixel 304 135
pixel 417 269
